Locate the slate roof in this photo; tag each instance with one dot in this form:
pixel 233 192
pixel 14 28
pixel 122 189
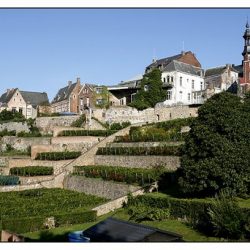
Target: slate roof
pixel 35 98
pixel 5 98
pixel 183 67
pixel 64 93
pixel 217 70
pixel 114 230
pixel 164 61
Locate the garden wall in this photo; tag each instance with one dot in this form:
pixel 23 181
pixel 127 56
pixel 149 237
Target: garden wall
pixel 22 143
pixel 142 144
pixel 98 187
pixel 169 162
pixel 17 126
pixel 46 124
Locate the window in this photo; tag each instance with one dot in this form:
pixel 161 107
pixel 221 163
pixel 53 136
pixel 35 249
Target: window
pixel 81 101
pixel 180 81
pixel 189 96
pixel 164 79
pixel 99 101
pixel 201 85
pixel 187 80
pixel 168 79
pixel 172 79
pixel 192 84
pixel 98 90
pixel 180 95
pixel 169 95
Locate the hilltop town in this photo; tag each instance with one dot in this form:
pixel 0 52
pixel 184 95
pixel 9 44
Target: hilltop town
pixel 157 158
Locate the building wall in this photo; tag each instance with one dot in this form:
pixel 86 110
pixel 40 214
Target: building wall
pixel 86 98
pixel 190 58
pixel 183 91
pixel 62 106
pixel 74 98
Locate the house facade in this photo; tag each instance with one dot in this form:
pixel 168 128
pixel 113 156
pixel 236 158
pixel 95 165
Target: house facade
pixel 67 98
pixel 86 97
pixel 25 102
pixel 223 78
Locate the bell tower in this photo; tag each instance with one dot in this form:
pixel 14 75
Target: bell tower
pixel 246 55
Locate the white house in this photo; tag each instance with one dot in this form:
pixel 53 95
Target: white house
pixel 186 83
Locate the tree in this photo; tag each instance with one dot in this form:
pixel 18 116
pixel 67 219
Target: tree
pixel 216 153
pixel 151 91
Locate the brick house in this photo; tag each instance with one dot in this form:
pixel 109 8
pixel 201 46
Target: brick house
pixel 86 97
pixel 66 99
pixel 25 102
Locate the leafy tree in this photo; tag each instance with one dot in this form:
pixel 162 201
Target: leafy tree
pixel 216 153
pixel 6 115
pixel 151 91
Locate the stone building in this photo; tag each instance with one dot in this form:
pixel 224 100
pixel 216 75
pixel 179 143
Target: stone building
pixel 67 98
pixel 218 79
pixel 25 102
pixel 86 97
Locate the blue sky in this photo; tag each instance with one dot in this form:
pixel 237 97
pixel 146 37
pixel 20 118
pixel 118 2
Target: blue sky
pixel 41 49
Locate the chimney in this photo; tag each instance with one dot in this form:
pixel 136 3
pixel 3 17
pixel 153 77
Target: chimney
pixel 78 80
pixel 69 83
pixel 7 91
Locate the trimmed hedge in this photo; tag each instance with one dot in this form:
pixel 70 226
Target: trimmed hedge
pixel 5 132
pixel 159 150
pixel 7 180
pixel 32 171
pixel 31 224
pixel 120 174
pixel 103 133
pixel 57 156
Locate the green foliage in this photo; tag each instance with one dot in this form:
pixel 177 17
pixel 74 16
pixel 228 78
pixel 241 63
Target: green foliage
pixel 162 131
pixel 11 116
pixel 216 153
pixel 141 213
pixel 5 132
pixel 118 126
pixel 227 218
pixel 87 132
pixel 7 180
pixel 31 171
pixel 79 122
pixel 29 134
pixel 9 148
pixel 102 95
pixel 120 174
pixel 151 91
pixel 45 203
pixel 57 156
pixel 158 150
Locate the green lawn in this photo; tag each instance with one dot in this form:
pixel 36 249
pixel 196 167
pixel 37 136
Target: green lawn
pixel 60 234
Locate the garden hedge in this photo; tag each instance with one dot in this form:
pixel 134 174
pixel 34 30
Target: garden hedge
pixel 57 156
pixel 31 171
pixel 159 150
pixel 7 180
pixel 103 133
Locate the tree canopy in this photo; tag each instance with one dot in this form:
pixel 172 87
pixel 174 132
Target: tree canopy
pixel 151 91
pixel 216 153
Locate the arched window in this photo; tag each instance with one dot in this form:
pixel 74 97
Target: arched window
pixel 168 79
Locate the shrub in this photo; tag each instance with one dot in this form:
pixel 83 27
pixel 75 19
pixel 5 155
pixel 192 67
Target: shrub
pixel 118 126
pixel 159 150
pixel 7 180
pixel 57 156
pixel 79 122
pixel 5 132
pixel 31 171
pixel 141 213
pixel 87 132
pixel 120 174
pixel 227 217
pixel 29 134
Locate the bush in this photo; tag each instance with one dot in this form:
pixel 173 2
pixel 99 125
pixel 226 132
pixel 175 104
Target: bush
pixel 29 134
pixel 120 174
pixel 7 180
pixel 227 217
pixel 118 126
pixel 79 122
pixel 87 132
pixel 141 213
pixel 159 150
pixel 57 156
pixel 5 132
pixel 31 171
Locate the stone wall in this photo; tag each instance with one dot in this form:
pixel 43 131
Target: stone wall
pixel 35 179
pixel 4 162
pixel 22 143
pixel 98 187
pixel 115 204
pixel 17 126
pixel 47 124
pixel 159 113
pixel 169 162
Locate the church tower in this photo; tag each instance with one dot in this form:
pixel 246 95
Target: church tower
pixel 246 55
